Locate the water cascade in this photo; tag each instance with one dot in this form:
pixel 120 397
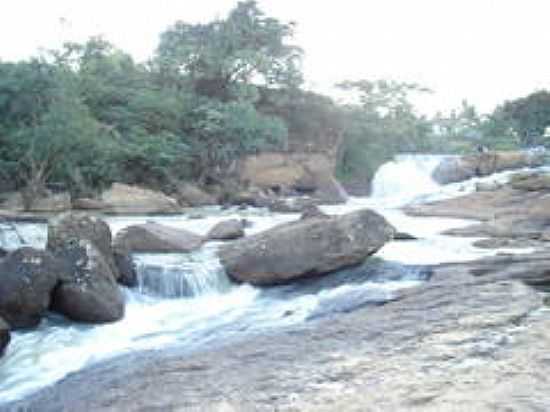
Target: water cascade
pixel 181 275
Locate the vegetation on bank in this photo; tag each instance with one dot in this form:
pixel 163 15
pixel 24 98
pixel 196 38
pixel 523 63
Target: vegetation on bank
pixel 88 114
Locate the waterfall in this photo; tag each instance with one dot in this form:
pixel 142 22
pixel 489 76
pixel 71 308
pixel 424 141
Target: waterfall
pixel 406 177
pixel 180 275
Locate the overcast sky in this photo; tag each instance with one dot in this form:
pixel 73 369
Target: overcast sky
pixel 483 50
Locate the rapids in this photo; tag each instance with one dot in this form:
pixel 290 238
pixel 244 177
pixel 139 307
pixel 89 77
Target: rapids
pixel 187 300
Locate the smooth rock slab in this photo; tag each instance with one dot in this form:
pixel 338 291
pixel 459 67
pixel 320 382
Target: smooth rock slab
pixel 306 248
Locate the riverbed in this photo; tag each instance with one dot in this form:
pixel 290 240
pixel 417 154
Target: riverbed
pixel 185 302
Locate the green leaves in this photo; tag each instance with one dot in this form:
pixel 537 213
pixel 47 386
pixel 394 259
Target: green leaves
pixel 221 57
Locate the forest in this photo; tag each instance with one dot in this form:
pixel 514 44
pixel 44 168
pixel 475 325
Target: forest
pixel 88 114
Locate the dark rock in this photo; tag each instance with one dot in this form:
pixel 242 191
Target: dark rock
pixel 89 292
pixel 156 238
pixel 404 236
pixel 27 279
pixel 126 268
pixel 71 227
pixel 4 336
pixel 307 248
pixel 227 230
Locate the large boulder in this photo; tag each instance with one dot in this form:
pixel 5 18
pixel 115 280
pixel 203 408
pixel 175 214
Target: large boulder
pixel 155 238
pixel 125 199
pixel 89 291
pixel 459 168
pixel 310 247
pixel 227 230
pixel 4 336
pixel 27 280
pixel 74 226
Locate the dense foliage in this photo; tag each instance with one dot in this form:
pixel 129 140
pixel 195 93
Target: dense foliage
pixel 88 114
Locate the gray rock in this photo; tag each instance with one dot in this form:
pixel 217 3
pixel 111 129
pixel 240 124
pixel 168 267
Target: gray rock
pixel 311 247
pixel 89 292
pixel 27 280
pixel 155 238
pixel 74 226
pixel 228 230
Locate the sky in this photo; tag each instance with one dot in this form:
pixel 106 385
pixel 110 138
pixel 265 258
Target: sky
pixel 485 51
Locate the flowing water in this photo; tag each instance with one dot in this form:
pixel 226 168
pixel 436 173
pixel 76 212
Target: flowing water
pixel 187 300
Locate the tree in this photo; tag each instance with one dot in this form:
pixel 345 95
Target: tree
pixel 528 117
pixel 225 59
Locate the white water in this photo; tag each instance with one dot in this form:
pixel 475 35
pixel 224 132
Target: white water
pixel 187 300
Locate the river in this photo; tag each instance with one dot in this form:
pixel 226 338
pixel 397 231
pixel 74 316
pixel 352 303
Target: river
pixel 186 300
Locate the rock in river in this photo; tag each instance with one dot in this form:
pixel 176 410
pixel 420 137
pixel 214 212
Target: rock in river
pixel 456 169
pixel 4 336
pixel 124 199
pixel 227 230
pixel 156 238
pixel 89 292
pixel 311 247
pixel 27 279
pixel 73 226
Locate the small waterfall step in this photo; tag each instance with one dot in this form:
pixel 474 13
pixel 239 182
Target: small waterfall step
pixel 181 275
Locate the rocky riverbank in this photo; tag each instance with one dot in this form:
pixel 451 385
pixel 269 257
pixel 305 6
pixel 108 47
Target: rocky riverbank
pixel 473 337
pixel 468 339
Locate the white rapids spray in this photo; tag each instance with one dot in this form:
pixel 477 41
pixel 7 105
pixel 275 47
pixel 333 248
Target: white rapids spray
pixel 187 300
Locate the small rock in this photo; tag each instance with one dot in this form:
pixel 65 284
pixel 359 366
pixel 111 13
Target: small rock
pixel 227 230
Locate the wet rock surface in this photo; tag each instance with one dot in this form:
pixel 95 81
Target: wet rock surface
pixel 27 280
pixel 4 336
pixel 68 228
pixel 89 292
pixel 472 340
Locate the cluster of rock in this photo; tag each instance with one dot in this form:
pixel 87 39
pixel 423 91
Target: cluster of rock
pixel 77 276
pixel 79 272
pixel 457 169
pixel 262 180
pixel 513 214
